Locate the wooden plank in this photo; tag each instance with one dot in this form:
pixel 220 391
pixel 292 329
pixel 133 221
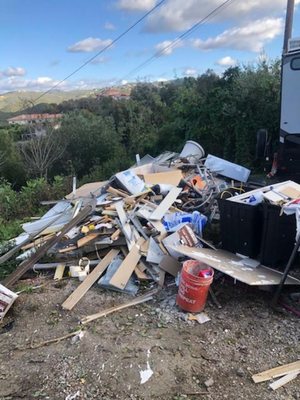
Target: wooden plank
pixel 284 380
pixel 67 249
pixel 168 177
pixel 87 239
pixel 59 272
pixel 232 265
pixel 164 206
pixel 27 264
pixel 138 300
pixel 81 290
pixel 276 372
pixel 124 272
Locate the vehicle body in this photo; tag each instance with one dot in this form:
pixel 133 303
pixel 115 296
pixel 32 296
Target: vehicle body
pixel 289 149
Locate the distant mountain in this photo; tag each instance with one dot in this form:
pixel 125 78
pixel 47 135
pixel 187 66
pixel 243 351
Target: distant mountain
pixel 13 101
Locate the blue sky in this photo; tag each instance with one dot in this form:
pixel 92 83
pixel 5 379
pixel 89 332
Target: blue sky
pixel 43 41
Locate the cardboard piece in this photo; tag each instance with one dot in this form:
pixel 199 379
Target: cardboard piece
pixel 184 236
pixel 130 181
pixel 170 178
pixel 7 297
pixel 232 265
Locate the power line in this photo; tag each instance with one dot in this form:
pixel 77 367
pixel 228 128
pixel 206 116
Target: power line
pixel 171 45
pixel 100 52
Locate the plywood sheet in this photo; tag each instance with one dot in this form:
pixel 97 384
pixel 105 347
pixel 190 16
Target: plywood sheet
pixel 170 178
pixel 232 265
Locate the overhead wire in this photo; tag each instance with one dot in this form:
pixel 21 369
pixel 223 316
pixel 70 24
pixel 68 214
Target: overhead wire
pixel 111 44
pixel 185 34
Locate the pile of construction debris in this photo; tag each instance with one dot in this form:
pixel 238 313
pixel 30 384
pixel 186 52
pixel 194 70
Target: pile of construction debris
pixel 125 234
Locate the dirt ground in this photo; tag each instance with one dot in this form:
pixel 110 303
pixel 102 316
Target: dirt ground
pixel 242 338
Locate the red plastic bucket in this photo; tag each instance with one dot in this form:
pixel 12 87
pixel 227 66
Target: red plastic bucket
pixel 196 278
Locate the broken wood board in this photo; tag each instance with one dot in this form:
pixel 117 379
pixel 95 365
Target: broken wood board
pixel 170 178
pixel 67 249
pixel 7 297
pixel 276 372
pixel 124 272
pixel 87 239
pixel 59 272
pixel 81 290
pixel 27 264
pixel 138 300
pixel 164 206
pixel 283 381
pixel 170 265
pixel 232 265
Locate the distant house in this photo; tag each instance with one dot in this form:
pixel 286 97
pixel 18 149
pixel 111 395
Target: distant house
pixel 115 94
pixel 37 123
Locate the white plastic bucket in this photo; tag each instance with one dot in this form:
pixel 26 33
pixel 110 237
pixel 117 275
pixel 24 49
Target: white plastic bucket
pixel 192 148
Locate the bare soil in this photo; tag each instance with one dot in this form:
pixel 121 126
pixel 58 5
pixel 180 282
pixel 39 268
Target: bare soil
pixel 244 337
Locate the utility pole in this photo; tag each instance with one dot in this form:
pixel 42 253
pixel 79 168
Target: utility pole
pixel 288 24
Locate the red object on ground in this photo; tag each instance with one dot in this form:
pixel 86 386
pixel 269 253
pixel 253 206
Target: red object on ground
pixel 196 278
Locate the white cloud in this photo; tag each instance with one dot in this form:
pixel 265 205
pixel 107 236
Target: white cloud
pixel 167 47
pixel 190 72
pixel 13 71
pixel 178 15
pixel 226 61
pixel 44 83
pixel 136 5
pixel 250 37
pixel 109 26
pixel 88 45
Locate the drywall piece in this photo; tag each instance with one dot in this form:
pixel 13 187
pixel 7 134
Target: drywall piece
pixel 276 372
pixel 164 206
pixel 7 297
pixel 130 181
pixel 170 178
pixel 170 265
pixel 145 212
pixel 59 272
pixel 282 381
pixel 130 288
pixel 155 254
pixel 227 168
pixel 124 272
pixel 232 265
pixel 125 224
pixel 81 290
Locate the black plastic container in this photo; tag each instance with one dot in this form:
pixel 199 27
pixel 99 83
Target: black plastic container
pixel 278 238
pixel 241 227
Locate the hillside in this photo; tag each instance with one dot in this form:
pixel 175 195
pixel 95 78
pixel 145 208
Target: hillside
pixel 12 101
